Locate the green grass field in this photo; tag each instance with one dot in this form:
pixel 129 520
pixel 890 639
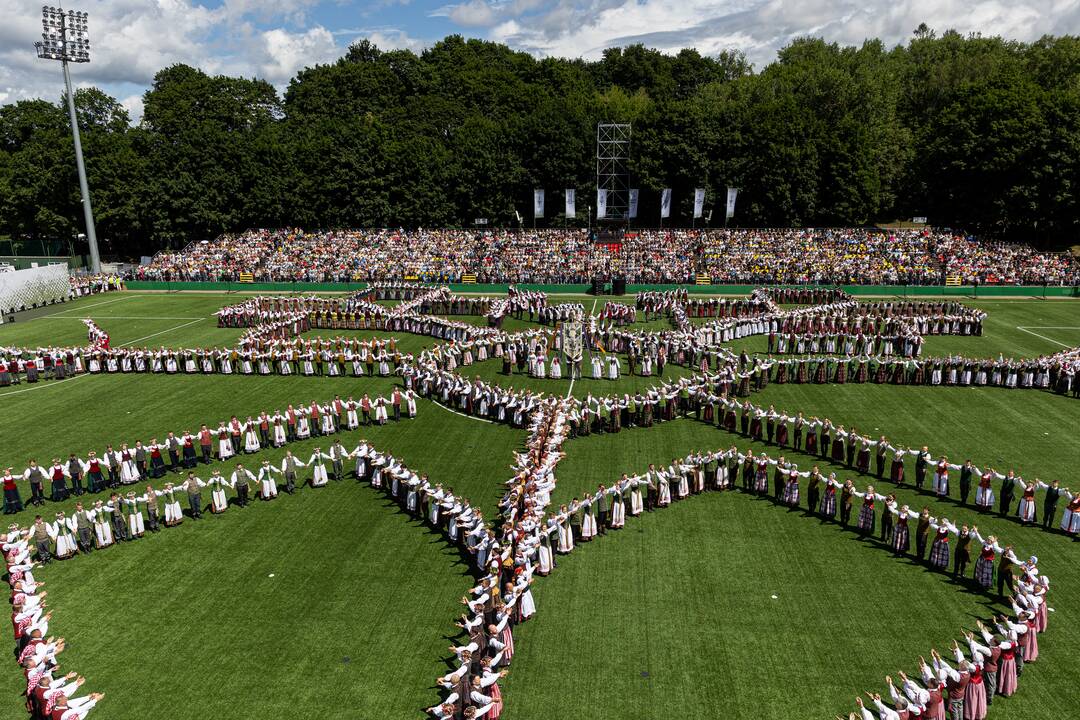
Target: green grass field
pixel 334 604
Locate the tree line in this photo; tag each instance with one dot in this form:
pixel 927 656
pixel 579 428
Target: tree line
pixel 975 132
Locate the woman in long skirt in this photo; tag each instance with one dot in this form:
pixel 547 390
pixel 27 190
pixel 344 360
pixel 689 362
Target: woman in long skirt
pixel 225 448
pixel 637 503
pixel 545 558
pixel 136 524
pixel 939 550
pixel 318 460
pixel 896 470
pixel 129 471
pixel 267 485
pixel 588 519
pixel 1006 680
pixel 60 531
pixel 566 534
pixel 174 515
pixel 102 525
pixel 303 425
pixel 791 488
pixel 867 515
pixel 280 437
pixel 12 499
pixel 618 506
pixel 1029 641
pixel 1070 518
pixel 219 498
pixel 251 436
pixel 901 539
pixel 827 507
pixel 984 492
pixel 1026 511
pixel 984 566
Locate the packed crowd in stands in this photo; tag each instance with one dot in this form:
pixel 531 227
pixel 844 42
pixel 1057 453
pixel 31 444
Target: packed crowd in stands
pixel 799 256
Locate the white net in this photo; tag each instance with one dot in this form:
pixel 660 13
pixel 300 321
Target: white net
pixel 33 286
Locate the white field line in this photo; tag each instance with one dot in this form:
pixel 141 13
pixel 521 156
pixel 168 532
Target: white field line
pixel 177 327
pixel 452 410
pixel 84 307
pixel 115 317
pixel 1029 332
pixel 570 391
pixel 44 384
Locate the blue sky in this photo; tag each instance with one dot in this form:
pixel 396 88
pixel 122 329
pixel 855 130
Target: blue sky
pixel 272 39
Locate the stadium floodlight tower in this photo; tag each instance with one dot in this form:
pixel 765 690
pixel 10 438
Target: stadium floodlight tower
pixel 613 169
pixel 65 37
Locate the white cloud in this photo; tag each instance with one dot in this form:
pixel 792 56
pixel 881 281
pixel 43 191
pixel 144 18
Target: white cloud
pixel 134 106
pixel 131 40
pixel 584 28
pixel 475 13
pixel 134 39
pixel 392 39
pixel 284 52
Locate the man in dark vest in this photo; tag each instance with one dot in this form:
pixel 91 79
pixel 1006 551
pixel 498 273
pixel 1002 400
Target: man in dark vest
pixel 42 541
pixel 36 476
pixel 172 444
pixel 193 486
pixel 112 463
pixel 653 490
pixel 710 472
pixel 922 458
pixel 288 471
pixel 962 555
pixel 75 471
pixel 116 518
pixel 1053 492
pixel 967 470
pixel 879 457
pixel 140 458
pixel 84 529
pixel 602 504
pixel 1008 488
pixel 813 490
pixel 1005 577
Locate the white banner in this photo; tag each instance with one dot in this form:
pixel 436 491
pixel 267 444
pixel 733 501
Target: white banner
pixel 572 340
pixel 571 203
pixel 699 201
pixel 632 212
pixel 665 203
pixel 538 203
pixel 731 195
pixel 601 203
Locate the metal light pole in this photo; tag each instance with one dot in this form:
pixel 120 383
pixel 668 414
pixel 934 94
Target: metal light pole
pixel 65 38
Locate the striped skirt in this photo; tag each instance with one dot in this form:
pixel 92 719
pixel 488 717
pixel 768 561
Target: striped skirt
pixel 496 702
pixel 901 541
pixel 507 637
pixel 866 518
pixel 939 554
pixel 828 505
pixel 791 494
pixel 984 572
